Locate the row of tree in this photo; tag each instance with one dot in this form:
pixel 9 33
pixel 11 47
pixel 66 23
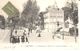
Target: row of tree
pixel 30 17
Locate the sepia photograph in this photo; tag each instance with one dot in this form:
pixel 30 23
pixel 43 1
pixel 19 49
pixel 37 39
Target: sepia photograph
pixel 39 23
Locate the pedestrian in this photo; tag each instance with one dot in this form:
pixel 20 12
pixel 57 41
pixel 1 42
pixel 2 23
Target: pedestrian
pixel 28 34
pixel 15 37
pixel 25 37
pixel 39 35
pixel 24 33
pixel 27 40
pixel 18 40
pixel 38 31
pixel 22 39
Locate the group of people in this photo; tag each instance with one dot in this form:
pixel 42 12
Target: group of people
pixel 70 29
pixel 17 39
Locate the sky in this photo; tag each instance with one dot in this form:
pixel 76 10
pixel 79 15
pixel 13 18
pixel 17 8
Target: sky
pixel 43 4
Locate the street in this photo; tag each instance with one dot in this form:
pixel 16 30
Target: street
pixel 45 39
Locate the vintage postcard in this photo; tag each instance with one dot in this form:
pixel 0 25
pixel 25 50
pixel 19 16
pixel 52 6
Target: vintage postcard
pixel 39 23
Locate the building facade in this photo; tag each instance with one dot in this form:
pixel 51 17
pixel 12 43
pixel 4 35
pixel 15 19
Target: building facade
pixel 53 16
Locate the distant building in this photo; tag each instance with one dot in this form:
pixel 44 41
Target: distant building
pixel 53 16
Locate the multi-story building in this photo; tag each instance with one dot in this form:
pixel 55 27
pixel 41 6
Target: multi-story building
pixel 53 16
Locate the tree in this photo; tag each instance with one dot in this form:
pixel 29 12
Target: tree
pixel 41 17
pixel 67 12
pixel 13 23
pixel 71 10
pixel 2 22
pixel 73 14
pixel 29 14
